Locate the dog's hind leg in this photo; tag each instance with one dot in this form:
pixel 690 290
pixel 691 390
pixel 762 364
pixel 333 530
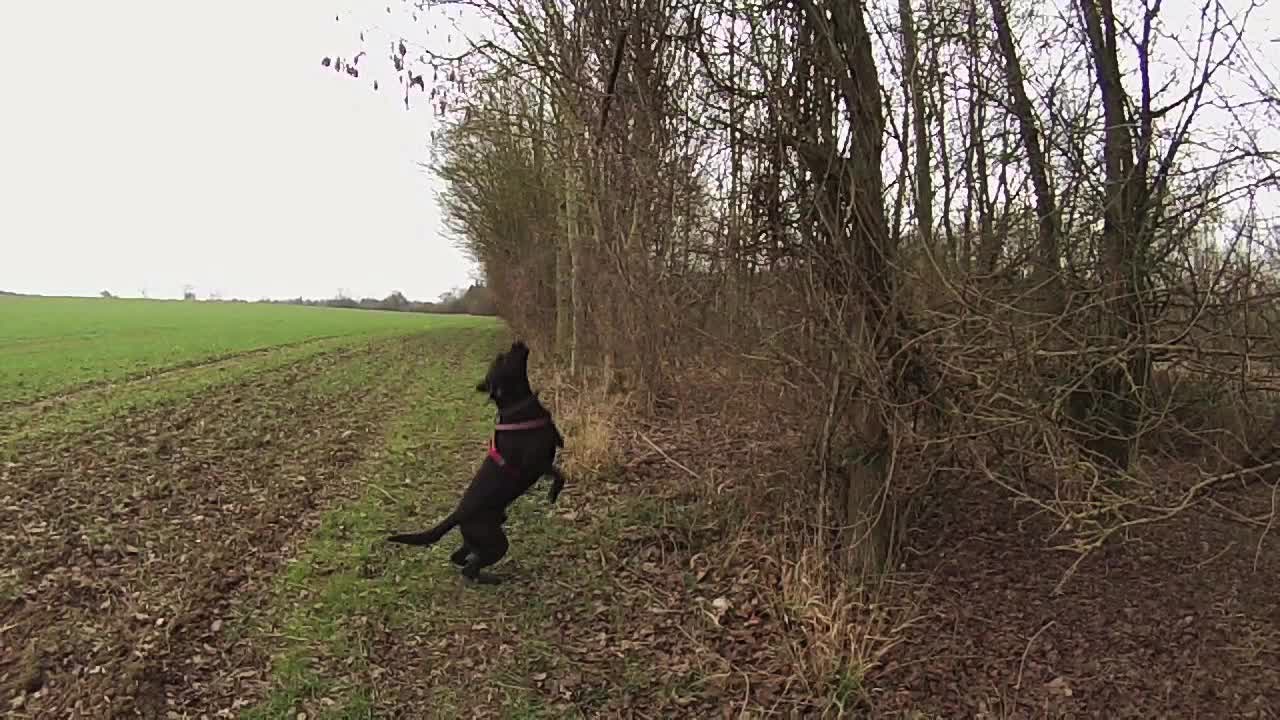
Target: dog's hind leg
pixel 488 544
pixel 459 556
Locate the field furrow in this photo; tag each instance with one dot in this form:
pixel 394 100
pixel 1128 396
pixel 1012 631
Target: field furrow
pixel 130 552
pixel 124 382
pixel 53 346
pixel 82 412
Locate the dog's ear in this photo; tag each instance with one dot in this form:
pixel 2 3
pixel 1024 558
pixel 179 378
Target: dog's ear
pixel 519 356
pixel 486 385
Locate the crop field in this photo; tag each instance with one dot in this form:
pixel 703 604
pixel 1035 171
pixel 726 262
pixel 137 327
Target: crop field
pixel 193 501
pixel 161 464
pixel 52 345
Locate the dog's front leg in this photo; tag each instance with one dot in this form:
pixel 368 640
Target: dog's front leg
pixel 557 484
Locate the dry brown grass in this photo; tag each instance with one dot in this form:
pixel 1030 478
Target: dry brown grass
pixel 755 476
pixel 845 628
pixel 1210 415
pixel 587 417
pixel 738 463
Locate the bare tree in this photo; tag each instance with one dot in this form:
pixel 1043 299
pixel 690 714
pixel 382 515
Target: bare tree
pixel 650 187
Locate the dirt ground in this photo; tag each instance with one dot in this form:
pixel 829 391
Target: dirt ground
pixel 130 553
pixel 136 557
pixel 1180 620
pixel 1177 620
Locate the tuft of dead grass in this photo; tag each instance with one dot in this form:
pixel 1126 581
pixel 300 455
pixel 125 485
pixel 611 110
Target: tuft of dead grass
pixel 587 416
pixel 845 627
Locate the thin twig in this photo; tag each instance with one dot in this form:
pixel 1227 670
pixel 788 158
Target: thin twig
pixel 1271 518
pixel 1027 650
pixel 380 489
pixel 670 459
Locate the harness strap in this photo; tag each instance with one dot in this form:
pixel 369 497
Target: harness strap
pixel 496 456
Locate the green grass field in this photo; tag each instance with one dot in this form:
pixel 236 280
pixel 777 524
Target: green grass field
pixel 164 425
pixel 208 541
pixel 51 345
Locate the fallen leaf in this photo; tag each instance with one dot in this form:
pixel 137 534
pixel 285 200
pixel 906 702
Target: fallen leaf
pixel 1059 685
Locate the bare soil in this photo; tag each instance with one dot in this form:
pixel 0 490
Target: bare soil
pixel 1180 619
pixel 131 554
pixel 132 557
pixel 660 617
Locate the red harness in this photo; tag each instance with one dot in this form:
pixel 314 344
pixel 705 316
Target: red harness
pixel 496 456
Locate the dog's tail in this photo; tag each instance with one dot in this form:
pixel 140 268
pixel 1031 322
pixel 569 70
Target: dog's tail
pixel 422 538
pixel 435 534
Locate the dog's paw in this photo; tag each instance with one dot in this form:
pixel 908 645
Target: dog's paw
pixel 482 579
pixel 552 496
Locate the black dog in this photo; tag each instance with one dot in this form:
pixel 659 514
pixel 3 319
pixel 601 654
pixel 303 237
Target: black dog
pixel 523 449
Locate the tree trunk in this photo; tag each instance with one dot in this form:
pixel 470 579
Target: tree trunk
pixel 1047 258
pixel 988 249
pixel 859 266
pixel 919 126
pixel 569 254
pixel 1119 387
pixel 735 259
pixel 944 154
pixel 870 512
pixel 564 268
pixel 564 281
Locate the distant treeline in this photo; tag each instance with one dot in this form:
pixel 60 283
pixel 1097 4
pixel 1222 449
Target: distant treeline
pixel 475 300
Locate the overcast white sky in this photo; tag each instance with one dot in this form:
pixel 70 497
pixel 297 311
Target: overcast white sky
pixel 150 143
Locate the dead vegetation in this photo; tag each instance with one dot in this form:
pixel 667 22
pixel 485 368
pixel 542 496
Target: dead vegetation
pixel 887 261
pixel 927 273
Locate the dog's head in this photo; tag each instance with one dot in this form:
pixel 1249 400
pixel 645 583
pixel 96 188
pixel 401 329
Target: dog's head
pixel 508 375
